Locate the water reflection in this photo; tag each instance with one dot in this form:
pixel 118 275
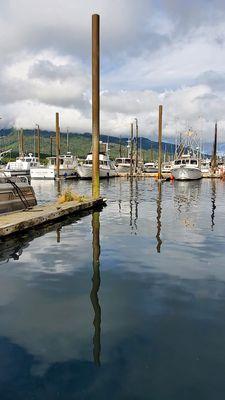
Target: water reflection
pixel 133 205
pixel 58 235
pixel 12 247
pixel 158 218
pixel 186 193
pixel 96 280
pixel 213 200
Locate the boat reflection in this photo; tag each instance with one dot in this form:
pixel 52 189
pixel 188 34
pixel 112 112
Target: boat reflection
pixel 186 194
pixel 96 280
pixel 158 217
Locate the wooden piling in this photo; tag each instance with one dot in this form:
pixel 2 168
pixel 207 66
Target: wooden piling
pixel 131 148
pixel 160 143
pixel 57 141
pixel 95 105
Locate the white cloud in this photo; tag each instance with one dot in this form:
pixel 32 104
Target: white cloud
pixel 171 54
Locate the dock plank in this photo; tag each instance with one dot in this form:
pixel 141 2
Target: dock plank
pixel 38 215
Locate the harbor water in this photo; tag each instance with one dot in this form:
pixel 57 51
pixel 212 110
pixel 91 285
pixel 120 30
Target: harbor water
pixel 124 303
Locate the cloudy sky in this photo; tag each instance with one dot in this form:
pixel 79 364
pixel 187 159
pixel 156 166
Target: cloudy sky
pixel 169 52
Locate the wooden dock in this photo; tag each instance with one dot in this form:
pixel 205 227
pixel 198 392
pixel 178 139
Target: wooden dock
pixel 18 221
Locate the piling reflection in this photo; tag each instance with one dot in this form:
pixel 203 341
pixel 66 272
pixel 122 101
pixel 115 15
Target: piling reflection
pixel 213 201
pixel 58 235
pixel 158 218
pixel 96 280
pixel 133 205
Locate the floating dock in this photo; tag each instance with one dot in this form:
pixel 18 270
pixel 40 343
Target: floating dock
pixel 36 216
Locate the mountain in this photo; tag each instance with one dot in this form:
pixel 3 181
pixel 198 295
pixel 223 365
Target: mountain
pixel 79 143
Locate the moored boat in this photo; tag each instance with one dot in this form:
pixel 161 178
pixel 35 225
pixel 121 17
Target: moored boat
pixel 22 166
pixel 186 168
pixel 15 194
pixel 67 168
pixel 106 167
pixel 150 167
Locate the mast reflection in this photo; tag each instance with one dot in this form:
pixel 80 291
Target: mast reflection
pixel 158 218
pixel 96 280
pixel 213 201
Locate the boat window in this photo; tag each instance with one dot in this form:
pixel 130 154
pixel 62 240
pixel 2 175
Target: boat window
pixel 194 162
pixel 183 161
pixel 177 162
pixel 127 161
pixel 119 160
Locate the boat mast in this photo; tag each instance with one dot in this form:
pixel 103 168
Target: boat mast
pixel 214 157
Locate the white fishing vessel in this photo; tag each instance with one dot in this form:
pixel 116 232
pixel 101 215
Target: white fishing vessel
pixel 106 167
pixel 15 194
pixel 186 168
pixel 67 168
pixel 22 166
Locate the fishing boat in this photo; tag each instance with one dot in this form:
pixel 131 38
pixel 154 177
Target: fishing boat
pixel 67 168
pixel 15 194
pixel 106 166
pixel 186 168
pixel 22 166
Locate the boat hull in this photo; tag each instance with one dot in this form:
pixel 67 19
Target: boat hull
pixel 123 168
pixel 85 172
pixel 182 173
pixel 13 200
pixel 50 173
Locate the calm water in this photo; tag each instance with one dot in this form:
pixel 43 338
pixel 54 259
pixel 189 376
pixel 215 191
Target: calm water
pixel 127 303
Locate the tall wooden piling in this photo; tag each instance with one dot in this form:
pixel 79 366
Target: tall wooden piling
pixel 95 105
pixel 160 143
pixel 136 156
pixel 131 148
pixel 57 142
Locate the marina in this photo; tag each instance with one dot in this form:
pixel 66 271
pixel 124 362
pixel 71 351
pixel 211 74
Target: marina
pixel 112 188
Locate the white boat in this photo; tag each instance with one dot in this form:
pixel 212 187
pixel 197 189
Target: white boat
pixel 22 166
pixel 106 167
pixel 151 167
pixel 122 164
pixel 206 165
pixel 15 194
pixel 166 167
pixel 186 168
pixel 67 168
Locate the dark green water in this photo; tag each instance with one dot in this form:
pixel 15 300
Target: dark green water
pixel 128 303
